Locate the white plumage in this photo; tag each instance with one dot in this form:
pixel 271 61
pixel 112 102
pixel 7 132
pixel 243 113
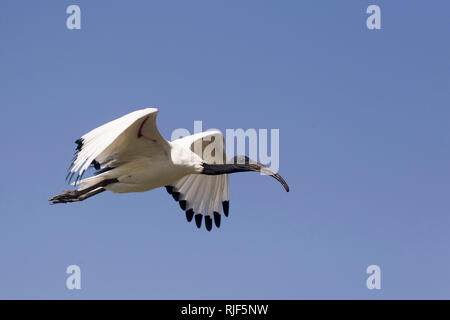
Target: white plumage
pixel 130 155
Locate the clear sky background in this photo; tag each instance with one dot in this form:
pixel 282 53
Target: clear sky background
pixel 364 145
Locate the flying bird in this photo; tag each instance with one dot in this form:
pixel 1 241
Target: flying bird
pixel 130 155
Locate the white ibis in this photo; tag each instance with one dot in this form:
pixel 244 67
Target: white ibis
pixel 130 155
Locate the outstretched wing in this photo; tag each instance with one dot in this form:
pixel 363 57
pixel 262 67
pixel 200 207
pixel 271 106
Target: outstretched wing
pixel 120 140
pixel 203 195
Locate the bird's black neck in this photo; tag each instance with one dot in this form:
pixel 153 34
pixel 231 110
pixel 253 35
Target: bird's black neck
pixel 217 169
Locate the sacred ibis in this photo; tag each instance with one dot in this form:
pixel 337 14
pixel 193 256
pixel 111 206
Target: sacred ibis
pixel 130 155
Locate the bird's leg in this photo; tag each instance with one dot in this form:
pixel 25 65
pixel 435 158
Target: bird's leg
pixel 72 194
pixel 80 195
pixel 80 198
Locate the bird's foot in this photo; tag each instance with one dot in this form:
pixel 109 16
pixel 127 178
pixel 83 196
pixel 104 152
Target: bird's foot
pixel 67 196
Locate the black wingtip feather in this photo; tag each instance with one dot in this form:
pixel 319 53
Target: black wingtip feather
pixel 176 196
pixel 198 220
pixel 226 207
pixel 79 143
pixel 189 215
pixel 169 189
pixel 208 223
pixel 183 204
pixel 96 165
pixel 217 219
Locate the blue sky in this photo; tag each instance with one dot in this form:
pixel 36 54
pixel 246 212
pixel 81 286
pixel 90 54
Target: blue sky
pixel 364 145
